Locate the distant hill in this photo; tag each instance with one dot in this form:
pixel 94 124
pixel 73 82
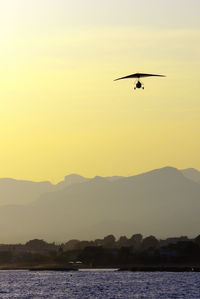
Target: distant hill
pixel 21 192
pixel 162 202
pixel 72 179
pixel 192 173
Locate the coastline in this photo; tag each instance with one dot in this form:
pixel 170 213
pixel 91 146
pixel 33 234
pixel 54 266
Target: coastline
pixel 161 269
pixel 121 269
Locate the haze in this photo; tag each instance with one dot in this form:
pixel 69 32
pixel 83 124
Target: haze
pixel 164 202
pixel 61 112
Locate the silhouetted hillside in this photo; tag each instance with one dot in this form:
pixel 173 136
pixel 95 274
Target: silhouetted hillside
pixel 21 192
pixel 72 179
pixel 192 173
pixel 161 202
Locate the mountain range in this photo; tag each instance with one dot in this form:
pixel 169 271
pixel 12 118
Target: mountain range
pixel 164 202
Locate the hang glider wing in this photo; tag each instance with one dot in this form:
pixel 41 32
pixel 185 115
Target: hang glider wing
pixel 139 75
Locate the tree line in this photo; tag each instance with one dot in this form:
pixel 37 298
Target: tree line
pixel 105 252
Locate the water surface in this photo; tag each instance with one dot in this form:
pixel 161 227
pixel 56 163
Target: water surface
pixel 99 284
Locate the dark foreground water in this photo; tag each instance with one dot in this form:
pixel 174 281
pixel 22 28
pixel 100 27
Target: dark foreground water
pixel 99 284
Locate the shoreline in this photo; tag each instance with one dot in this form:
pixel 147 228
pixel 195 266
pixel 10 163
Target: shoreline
pixel 162 269
pixel 122 269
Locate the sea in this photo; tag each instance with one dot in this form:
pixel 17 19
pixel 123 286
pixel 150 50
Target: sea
pixel 99 284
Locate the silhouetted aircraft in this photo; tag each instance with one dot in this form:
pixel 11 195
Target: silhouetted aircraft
pixel 138 82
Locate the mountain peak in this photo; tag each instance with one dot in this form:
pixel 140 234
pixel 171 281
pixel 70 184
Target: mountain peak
pixel 192 174
pixel 73 178
pixel 167 171
pixel 98 178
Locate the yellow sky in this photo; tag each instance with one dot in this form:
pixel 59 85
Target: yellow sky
pixel 61 112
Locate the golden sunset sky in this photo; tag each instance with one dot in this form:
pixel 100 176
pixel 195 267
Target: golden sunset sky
pixel 60 110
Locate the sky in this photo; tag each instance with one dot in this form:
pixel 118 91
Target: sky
pixel 60 110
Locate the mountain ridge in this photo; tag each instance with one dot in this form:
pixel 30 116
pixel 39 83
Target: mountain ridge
pixel 13 191
pixel 161 202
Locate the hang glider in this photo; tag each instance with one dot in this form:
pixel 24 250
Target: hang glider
pixel 139 75
pixel 138 83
